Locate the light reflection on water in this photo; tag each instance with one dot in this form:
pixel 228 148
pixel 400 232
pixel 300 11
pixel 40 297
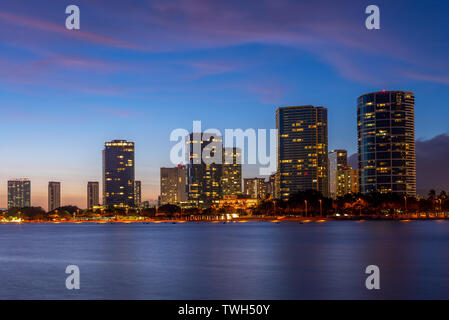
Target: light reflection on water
pixel 254 260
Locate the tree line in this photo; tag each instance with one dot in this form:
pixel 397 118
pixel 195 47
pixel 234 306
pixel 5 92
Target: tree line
pixel 305 203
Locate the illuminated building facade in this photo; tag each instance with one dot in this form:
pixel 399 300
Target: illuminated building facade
pixel 19 193
pixel 173 185
pixel 204 168
pixel 237 202
pixel 118 174
pixel 346 181
pixel 137 193
pixel 93 194
pixel 354 177
pixel 255 188
pixel 271 187
pixel 302 150
pixel 386 142
pixel 338 162
pixel 54 195
pixel 231 180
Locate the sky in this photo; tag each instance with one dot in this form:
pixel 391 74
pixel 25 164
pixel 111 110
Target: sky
pixel 139 69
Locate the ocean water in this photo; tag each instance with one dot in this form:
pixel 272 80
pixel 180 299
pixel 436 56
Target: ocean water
pixel 254 260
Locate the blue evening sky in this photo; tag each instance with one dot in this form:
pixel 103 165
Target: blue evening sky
pixel 139 69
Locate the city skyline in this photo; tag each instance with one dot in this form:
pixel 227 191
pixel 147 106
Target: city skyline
pixel 119 147
pixel 229 73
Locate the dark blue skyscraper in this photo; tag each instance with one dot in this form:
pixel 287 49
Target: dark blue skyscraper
pixel 302 150
pixel 386 136
pixel 118 174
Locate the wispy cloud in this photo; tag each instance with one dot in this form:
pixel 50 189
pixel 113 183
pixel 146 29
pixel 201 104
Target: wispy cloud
pixel 267 91
pixel 428 77
pixel 333 32
pixel 33 23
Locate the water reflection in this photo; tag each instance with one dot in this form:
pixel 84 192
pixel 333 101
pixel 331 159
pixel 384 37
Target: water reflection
pixel 259 260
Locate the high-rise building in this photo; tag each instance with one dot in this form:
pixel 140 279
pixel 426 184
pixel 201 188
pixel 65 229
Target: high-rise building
pixel 118 174
pixel 54 195
pixel 204 168
pixel 302 150
pixel 231 180
pixel 386 142
pixel 338 160
pixel 173 185
pixel 355 188
pixel 19 193
pixel 255 188
pixel 271 187
pixel 342 178
pixel 93 194
pixel 346 181
pixel 137 193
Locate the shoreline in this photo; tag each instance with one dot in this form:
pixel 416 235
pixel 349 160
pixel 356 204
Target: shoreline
pixel 238 220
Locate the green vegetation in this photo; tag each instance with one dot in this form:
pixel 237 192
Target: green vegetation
pixel 307 204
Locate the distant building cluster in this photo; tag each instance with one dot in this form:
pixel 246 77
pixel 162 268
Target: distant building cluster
pixel 386 163
pixel 120 189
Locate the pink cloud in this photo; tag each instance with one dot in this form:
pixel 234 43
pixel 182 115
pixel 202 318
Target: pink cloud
pixel 29 22
pixel 268 92
pixel 349 69
pixel 320 27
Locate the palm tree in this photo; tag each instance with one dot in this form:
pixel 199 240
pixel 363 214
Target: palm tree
pixel 432 194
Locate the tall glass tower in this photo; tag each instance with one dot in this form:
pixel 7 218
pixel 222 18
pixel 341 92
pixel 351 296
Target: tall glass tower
pixel 386 142
pixel 118 173
pixel 302 150
pixel 54 195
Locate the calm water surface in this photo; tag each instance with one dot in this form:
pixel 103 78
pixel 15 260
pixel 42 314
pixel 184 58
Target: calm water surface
pixel 257 260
